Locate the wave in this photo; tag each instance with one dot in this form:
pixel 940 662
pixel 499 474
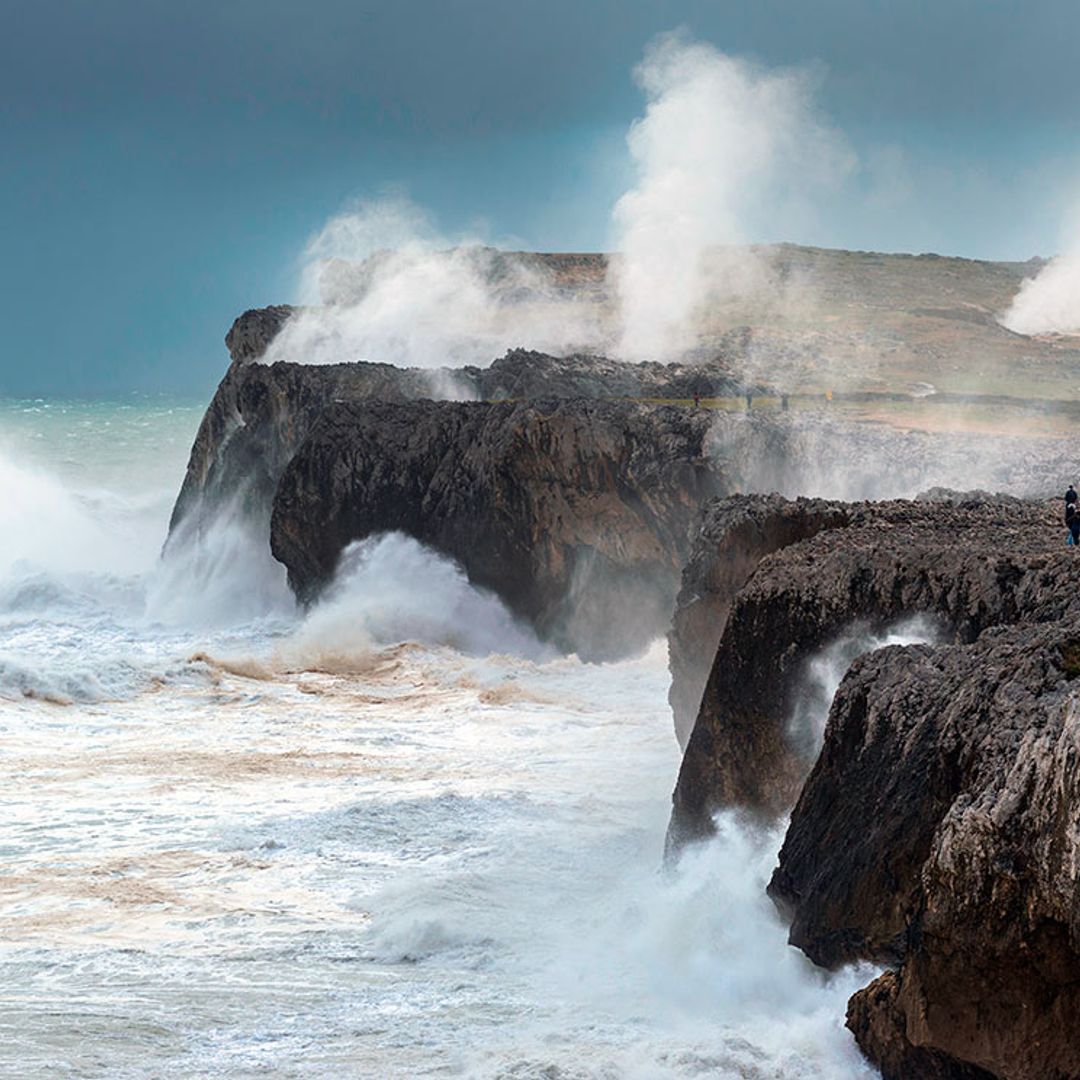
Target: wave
pixel 391 589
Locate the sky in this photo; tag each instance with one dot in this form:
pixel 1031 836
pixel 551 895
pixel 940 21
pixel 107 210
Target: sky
pixel 163 165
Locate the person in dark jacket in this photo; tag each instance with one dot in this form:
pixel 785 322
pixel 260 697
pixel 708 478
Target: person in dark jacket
pixel 1072 520
pixel 1071 497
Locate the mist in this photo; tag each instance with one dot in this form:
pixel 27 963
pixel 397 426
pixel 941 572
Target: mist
pixel 721 140
pixel 1050 301
pixel 381 283
pixel 722 144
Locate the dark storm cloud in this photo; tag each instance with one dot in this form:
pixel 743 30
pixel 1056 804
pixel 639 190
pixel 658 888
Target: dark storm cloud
pixel 162 163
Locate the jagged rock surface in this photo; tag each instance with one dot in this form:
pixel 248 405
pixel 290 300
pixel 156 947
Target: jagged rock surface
pixel 261 413
pixel 251 333
pixel 578 514
pixel 258 417
pixel 971 566
pixel 736 533
pixel 939 832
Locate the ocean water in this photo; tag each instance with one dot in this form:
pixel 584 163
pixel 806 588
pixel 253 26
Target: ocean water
pixel 393 837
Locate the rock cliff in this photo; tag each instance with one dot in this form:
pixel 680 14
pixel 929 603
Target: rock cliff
pixel 736 533
pixel 969 565
pixel 578 514
pixel 939 832
pixel 261 413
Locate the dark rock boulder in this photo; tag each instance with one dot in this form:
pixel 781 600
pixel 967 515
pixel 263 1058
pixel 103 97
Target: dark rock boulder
pixel 251 333
pixel 736 533
pixel 939 832
pixel 879 1027
pixel 578 514
pixel 971 566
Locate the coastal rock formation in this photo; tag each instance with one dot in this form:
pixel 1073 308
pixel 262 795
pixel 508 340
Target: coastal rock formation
pixel 258 417
pixel 251 333
pixel 969 565
pixel 939 832
pixel 578 514
pixel 736 533
pixel 262 412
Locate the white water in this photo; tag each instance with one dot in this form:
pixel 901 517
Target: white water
pixel 396 838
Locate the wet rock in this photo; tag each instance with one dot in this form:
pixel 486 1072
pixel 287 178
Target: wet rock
pixel 880 1030
pixel 939 833
pixel 251 333
pixel 261 412
pixel 736 533
pixel 578 514
pixel 259 415
pixel 969 565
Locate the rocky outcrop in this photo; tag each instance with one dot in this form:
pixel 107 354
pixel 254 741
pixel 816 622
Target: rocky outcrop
pixel 939 833
pixel 736 533
pixel 578 514
pixel 262 412
pixel 969 565
pixel 258 417
pixel 251 333
pixel 522 373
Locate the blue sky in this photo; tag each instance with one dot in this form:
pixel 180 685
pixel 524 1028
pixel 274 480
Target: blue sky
pixel 162 164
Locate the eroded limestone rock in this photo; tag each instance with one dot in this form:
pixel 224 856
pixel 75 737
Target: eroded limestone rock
pixel 939 832
pixel 578 514
pixel 970 565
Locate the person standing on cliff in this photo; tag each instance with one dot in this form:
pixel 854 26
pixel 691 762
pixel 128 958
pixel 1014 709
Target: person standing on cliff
pixel 1072 522
pixel 1070 497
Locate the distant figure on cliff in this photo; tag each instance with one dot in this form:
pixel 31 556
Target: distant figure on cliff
pixel 1072 520
pixel 749 400
pixel 784 402
pixel 697 405
pixel 1070 497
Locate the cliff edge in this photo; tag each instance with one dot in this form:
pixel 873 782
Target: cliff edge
pixel 968 565
pixel 577 513
pixel 939 833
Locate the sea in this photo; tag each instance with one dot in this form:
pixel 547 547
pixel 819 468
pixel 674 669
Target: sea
pixel 391 836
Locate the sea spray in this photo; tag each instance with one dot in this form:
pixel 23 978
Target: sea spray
pixel 720 139
pixel 389 589
pixel 825 670
pixel 380 283
pixel 446 856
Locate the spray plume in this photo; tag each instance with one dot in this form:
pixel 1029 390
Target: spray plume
pixel 1050 302
pixel 384 285
pixel 720 141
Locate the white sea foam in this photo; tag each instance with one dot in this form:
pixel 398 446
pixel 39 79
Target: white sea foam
pixel 392 589
pixel 227 856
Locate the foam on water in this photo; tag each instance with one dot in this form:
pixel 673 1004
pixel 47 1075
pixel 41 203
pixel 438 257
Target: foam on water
pixel 394 837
